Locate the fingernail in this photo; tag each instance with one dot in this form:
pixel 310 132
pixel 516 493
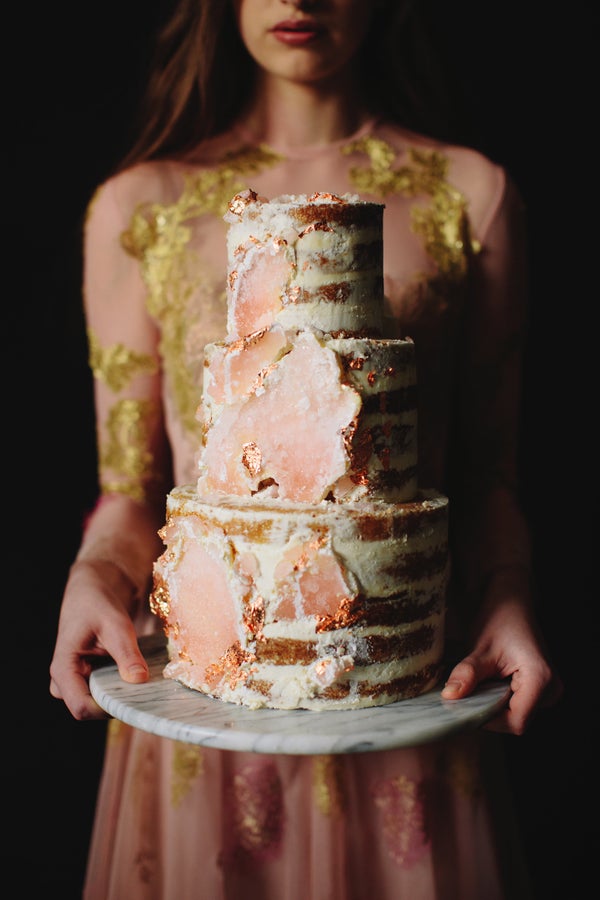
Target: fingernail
pixel 137 669
pixel 452 687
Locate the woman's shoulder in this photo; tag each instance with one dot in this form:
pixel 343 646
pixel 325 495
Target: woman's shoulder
pixel 484 183
pixel 458 155
pixel 157 181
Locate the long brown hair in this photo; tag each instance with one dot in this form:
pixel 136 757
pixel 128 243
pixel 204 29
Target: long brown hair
pixel 202 76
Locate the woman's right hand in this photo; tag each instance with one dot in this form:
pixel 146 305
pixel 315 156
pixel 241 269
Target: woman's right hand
pixel 96 619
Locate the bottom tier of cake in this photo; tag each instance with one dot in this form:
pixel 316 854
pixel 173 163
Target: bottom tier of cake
pixel 288 606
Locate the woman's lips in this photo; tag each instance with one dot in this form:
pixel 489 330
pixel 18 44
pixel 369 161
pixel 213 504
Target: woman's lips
pixel 296 33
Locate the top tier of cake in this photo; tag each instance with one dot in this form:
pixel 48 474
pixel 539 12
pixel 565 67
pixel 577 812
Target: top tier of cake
pixel 303 262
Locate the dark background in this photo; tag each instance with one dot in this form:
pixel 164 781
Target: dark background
pixel 70 91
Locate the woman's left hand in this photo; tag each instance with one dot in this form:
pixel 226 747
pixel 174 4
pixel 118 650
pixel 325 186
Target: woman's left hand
pixel 508 646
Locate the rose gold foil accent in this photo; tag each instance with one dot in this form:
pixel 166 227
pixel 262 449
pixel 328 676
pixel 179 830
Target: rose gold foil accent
pixel 348 436
pixel 360 450
pixel 333 293
pixel 315 226
pixel 349 612
pixel 319 541
pixel 321 669
pixel 356 363
pixel 232 278
pixel 228 667
pixel 252 457
pixel 316 544
pixel 324 195
pixel 160 599
pixel 260 378
pixel 254 618
pixel 293 295
pixel 360 477
pixel 248 340
pixel 238 204
pixel 371 378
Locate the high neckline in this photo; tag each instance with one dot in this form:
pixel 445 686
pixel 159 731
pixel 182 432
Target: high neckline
pixel 306 151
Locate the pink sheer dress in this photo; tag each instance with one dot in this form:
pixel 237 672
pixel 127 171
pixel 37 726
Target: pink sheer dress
pixel 176 821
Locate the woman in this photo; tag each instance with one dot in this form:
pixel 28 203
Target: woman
pixel 296 97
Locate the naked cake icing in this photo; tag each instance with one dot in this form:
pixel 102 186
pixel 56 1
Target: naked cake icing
pixel 305 568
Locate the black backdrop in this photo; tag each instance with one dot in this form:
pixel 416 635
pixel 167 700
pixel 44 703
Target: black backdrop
pixel 70 88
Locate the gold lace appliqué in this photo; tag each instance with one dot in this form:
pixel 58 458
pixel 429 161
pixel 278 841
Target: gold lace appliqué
pixel 460 765
pixel 443 224
pixel 115 732
pixel 159 237
pixel 125 453
pixel 328 786
pixel 254 811
pixel 403 821
pixel 188 764
pixel 117 365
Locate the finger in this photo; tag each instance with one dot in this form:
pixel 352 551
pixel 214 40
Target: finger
pixel 55 690
pixel 501 723
pixel 527 698
pixel 465 676
pixel 75 694
pixel 514 719
pixel 473 670
pixel 124 649
pixel 134 671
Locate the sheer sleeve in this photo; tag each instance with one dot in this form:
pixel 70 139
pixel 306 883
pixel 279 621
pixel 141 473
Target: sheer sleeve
pixel 133 456
pixel 123 344
pixel 490 531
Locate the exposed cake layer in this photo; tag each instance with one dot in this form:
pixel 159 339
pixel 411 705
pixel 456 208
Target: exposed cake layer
pixel 304 262
pixel 383 444
pixel 289 605
pixel 304 417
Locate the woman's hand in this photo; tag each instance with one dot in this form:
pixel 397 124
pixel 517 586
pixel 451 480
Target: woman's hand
pixel 508 646
pixel 96 619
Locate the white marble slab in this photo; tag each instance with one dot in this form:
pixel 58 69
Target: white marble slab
pixel 164 707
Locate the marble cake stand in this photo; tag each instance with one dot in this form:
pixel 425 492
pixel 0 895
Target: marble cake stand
pixel 164 707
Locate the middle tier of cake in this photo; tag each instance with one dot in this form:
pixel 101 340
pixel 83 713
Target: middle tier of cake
pixel 303 416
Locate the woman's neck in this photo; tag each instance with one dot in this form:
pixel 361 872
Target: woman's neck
pixel 289 114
